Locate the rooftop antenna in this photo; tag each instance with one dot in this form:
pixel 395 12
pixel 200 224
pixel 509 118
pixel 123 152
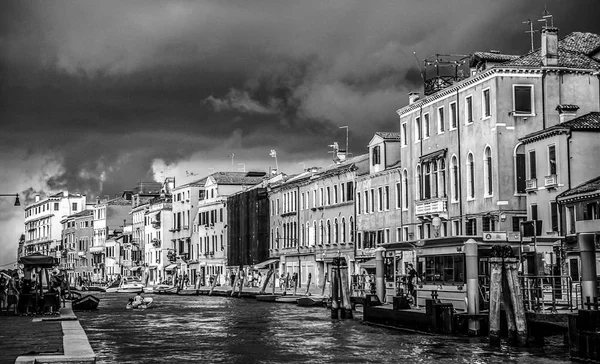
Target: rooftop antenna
pixel 545 17
pixel 231 156
pixel 418 65
pixel 531 31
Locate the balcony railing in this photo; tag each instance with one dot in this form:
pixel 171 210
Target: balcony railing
pixel 550 181
pixel 431 206
pixel 531 184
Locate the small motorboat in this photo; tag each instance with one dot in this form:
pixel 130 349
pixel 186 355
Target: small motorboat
pixel 311 301
pixel 112 287
pixel 287 299
pixel 85 303
pixel 147 303
pixel 166 290
pixel 130 285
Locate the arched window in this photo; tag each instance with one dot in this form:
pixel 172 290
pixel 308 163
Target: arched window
pixel 434 179
pixel 328 233
pixel 427 181
pixel 454 178
pixel 321 232
pixel 470 176
pixel 405 189
pixel 418 183
pixel 343 226
pixel 336 231
pixel 351 229
pixel 442 177
pixel 487 160
pixel 520 169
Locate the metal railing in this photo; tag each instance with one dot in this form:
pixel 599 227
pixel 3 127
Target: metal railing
pixel 549 293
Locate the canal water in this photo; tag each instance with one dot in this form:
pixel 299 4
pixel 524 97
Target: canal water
pixel 192 329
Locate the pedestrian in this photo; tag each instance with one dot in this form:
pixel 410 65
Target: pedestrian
pixel 260 279
pixel 412 280
pixel 13 293
pixel 3 291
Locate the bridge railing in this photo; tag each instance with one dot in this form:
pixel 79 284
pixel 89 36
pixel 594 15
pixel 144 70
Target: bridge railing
pixel 549 293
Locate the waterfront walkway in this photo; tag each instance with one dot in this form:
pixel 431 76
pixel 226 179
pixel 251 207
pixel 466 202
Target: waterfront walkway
pixel 44 339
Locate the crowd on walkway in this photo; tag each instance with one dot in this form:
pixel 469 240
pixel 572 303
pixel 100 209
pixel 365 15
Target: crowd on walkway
pixel 21 295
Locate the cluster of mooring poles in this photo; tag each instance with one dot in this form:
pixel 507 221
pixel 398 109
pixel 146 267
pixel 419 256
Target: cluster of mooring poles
pixel 341 305
pixel 506 288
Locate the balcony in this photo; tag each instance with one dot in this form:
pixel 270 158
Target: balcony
pixel 531 184
pixel 431 206
pixel 551 181
pixel 81 254
pixel 186 227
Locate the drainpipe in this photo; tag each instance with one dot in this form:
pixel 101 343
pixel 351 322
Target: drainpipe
pixel 544 99
pixel 459 174
pixel 420 155
pixel 569 160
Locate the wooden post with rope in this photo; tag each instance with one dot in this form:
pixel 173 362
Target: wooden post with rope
pixel 345 293
pixel 214 283
pixel 266 281
pixel 308 284
pixel 235 282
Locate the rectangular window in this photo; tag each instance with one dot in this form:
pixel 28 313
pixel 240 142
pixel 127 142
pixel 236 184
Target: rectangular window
pixel 358 210
pixel 373 200
pixel 56 206
pixel 486 103
pixel 386 197
pixel 443 268
pixel 350 191
pixel 554 216
pixel 532 166
pixel 426 125
pixel 521 172
pixel 376 155
pixel 418 130
pixel 516 222
pixel 440 120
pixel 534 212
pixel 379 199
pixel 488 223
pixel 366 202
pixel 398 195
pixel 404 136
pixel 551 159
pixel 571 219
pixel 469 109
pixel 335 194
pixel 471 227
pixel 405 233
pixel 523 99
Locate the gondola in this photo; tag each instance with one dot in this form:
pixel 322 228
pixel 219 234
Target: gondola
pixel 85 303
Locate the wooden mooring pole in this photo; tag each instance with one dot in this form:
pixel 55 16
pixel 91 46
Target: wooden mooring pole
pixel 308 284
pixel 495 290
pixel 212 286
pixel 334 293
pixel 268 276
pixel 345 291
pixel 516 297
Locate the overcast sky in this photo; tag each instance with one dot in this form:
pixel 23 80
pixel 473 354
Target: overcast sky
pixel 97 95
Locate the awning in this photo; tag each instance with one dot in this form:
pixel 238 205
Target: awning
pixel 97 249
pixel 171 267
pixel 266 263
pixel 38 260
pixel 134 269
pixel 371 263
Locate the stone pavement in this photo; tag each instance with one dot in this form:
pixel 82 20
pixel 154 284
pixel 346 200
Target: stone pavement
pixel 20 335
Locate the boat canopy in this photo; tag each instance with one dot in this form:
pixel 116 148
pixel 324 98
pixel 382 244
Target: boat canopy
pixel 38 260
pixel 266 263
pixel 171 267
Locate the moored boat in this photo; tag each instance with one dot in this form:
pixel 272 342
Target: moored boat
pixel 266 297
pixel 287 299
pixel 85 303
pixel 311 301
pixel 166 290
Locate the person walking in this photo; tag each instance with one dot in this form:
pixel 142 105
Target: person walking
pixel 3 292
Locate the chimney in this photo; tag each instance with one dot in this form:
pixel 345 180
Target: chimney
pixel 549 46
pixel 65 193
pixel 413 97
pixel 567 112
pixel 37 198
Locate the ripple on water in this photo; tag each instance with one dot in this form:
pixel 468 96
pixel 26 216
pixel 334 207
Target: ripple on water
pixel 185 329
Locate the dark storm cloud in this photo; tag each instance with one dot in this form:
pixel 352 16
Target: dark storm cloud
pixel 107 87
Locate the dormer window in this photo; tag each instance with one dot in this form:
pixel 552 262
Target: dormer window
pixel 376 155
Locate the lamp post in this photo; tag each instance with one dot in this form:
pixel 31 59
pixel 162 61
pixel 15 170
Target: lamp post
pixel 17 202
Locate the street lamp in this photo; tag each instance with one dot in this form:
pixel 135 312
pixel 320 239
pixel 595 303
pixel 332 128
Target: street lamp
pixel 17 202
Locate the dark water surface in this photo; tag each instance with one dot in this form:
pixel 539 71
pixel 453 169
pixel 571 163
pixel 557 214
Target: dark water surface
pixel 186 329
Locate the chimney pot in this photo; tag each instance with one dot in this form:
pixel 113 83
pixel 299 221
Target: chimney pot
pixel 37 198
pixel 413 97
pixel 549 50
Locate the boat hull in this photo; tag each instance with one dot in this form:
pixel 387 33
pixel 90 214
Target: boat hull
pixel 266 297
pixel 148 303
pixel 309 301
pixel 85 303
pixel 130 289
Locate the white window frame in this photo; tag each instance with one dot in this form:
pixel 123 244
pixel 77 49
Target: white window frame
pixel 555 156
pixel 483 105
pixel 486 171
pixel 418 130
pixel 404 136
pixel 467 122
pixel 440 123
pixel 514 112
pixel 452 117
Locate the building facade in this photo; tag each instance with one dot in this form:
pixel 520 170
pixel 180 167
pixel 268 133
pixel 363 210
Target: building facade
pixel 77 233
pixel 43 228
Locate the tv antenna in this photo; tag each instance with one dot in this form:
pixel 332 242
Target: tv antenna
pixel 531 31
pixel 545 17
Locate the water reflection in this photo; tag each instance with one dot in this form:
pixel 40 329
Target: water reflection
pixel 181 329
